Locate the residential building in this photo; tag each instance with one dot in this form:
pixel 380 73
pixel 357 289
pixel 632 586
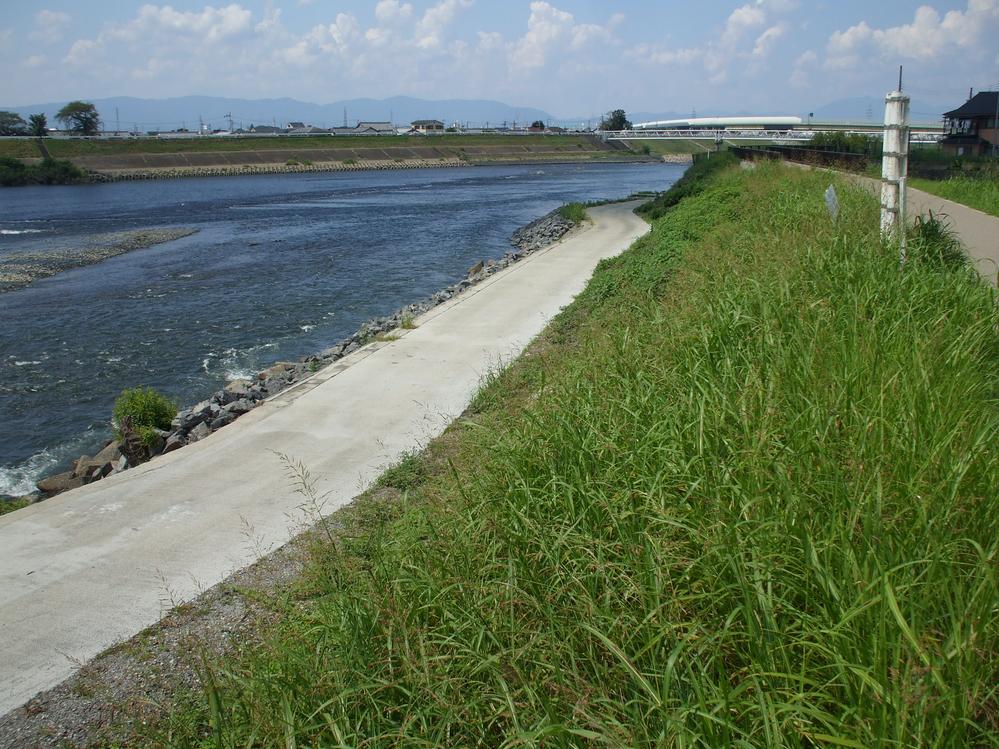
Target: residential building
pixel 427 126
pixel 971 129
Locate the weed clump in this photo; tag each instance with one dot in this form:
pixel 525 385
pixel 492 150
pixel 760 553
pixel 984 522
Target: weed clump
pixel 574 212
pixel 143 411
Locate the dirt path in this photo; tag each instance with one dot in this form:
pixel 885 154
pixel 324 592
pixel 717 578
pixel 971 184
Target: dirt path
pixel 93 567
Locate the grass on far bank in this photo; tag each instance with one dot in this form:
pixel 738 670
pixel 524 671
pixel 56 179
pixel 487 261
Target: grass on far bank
pixel 66 147
pixel 740 493
pixel 976 192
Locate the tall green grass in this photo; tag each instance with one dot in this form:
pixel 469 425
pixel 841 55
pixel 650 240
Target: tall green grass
pixel 978 192
pixel 742 494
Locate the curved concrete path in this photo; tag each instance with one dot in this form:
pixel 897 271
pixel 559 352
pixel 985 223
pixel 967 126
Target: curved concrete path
pixel 92 567
pixel 978 231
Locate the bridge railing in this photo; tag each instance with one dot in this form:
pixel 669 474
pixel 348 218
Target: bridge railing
pixel 781 135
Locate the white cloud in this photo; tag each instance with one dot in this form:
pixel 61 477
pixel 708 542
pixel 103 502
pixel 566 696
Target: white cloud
pixel 765 42
pixel 545 26
pixel 553 33
pixel 489 41
pixel 50 27
pixel 430 29
pixel 740 21
pixel 82 52
pixel 392 11
pixel 740 39
pixel 6 37
pixel 35 61
pixel 800 77
pixel 929 37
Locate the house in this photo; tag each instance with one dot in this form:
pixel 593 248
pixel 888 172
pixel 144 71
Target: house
pixel 374 128
pixel 265 129
pixel 971 129
pixel 427 126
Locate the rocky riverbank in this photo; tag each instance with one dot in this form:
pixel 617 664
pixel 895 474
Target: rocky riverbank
pixel 19 269
pixel 239 397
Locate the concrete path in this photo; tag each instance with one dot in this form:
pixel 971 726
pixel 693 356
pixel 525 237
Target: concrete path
pixel 92 567
pixel 978 231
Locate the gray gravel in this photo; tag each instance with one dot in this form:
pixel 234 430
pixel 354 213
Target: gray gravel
pixel 18 269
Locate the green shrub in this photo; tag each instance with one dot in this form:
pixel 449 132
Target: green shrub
pixel 15 173
pixel 574 212
pixel 932 241
pixel 145 410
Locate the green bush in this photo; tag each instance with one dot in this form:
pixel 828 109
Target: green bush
pixel 932 241
pixel 15 173
pixel 574 212
pixel 145 410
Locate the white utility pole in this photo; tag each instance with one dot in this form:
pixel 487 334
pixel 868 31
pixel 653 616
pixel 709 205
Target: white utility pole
pixel 895 166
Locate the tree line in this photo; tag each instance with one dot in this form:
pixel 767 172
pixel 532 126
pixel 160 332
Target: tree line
pixel 78 117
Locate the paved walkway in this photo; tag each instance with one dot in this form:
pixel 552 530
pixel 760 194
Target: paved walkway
pixel 92 567
pixel 978 231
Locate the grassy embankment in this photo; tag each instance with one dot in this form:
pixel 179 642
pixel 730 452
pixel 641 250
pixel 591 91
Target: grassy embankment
pixel 68 148
pixel 977 192
pixel 740 493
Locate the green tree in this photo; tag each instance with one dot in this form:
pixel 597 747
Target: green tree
pixel 616 120
pixel 537 125
pixel 81 117
pixel 12 124
pixel 38 125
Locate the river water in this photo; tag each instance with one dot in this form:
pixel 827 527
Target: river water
pixel 282 266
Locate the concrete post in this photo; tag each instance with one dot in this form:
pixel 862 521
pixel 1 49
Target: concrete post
pixel 895 167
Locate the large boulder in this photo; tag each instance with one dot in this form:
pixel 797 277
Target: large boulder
pixel 239 388
pixel 61 482
pixel 199 433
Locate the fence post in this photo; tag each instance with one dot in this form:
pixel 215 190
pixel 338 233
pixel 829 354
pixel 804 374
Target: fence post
pixel 895 168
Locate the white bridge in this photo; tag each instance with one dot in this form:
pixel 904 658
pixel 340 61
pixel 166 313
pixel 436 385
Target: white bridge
pixel 777 136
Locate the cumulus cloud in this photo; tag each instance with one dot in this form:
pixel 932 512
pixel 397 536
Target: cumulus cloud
pixel 392 12
pixel 800 72
pixel 765 42
pixel 929 37
pixel 750 34
pixel 554 33
pixel 50 27
pixel 431 27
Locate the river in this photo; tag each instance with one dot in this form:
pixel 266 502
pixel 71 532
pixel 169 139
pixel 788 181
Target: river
pixel 282 266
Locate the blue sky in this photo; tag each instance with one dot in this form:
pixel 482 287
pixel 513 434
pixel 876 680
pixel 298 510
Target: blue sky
pixel 569 57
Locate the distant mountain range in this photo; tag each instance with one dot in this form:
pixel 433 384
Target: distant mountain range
pixel 186 111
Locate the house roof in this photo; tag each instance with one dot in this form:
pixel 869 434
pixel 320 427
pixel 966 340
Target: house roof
pixel 982 104
pixel 386 126
pixel 417 123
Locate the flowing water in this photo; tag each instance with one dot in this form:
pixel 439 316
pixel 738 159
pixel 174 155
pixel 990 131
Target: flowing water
pixel 282 266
